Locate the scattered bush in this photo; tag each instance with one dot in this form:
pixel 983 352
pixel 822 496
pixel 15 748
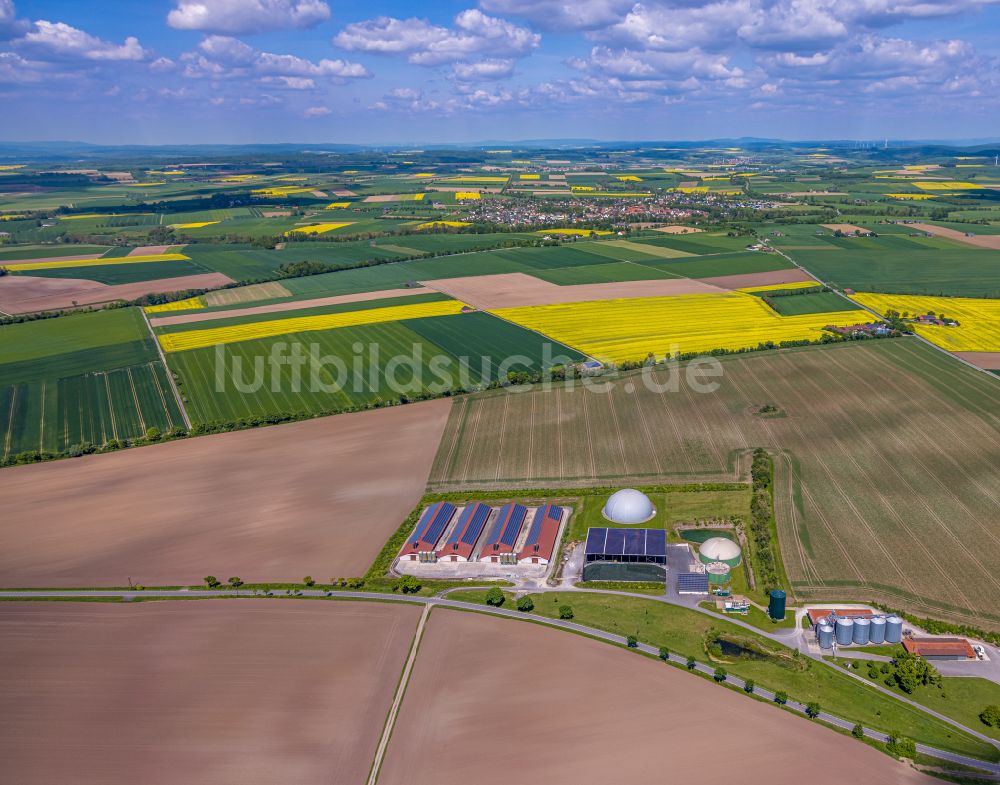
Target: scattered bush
pixel 525 605
pixel 991 716
pixel 495 597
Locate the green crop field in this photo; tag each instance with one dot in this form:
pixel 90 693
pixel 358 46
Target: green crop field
pixel 723 264
pixel 226 320
pixel 855 520
pixel 814 302
pixel 602 273
pixel 85 378
pixel 972 272
pixel 460 343
pixel 123 273
pixel 49 251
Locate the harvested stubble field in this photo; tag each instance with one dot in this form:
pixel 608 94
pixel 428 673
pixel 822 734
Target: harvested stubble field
pixel 561 719
pixel 314 498
pixel 886 486
pixel 229 692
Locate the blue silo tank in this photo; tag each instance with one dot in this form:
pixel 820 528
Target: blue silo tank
pixel 862 628
pixel 893 629
pixel 845 631
pixel 877 632
pixel 776 605
pixel 824 634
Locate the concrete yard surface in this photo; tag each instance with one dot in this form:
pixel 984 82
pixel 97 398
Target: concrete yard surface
pixel 216 692
pixel 491 701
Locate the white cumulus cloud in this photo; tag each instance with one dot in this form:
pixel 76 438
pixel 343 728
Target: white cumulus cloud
pixel 247 16
pixel 62 40
pixel 473 34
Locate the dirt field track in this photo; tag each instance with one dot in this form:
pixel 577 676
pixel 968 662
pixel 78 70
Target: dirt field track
pixel 511 290
pixel 571 710
pixel 886 483
pixel 991 241
pixel 213 692
pixel 318 498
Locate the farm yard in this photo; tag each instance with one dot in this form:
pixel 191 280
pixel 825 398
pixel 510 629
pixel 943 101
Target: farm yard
pixel 112 693
pixel 847 412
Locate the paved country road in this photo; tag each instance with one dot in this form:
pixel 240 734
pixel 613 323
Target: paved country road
pixel 443 602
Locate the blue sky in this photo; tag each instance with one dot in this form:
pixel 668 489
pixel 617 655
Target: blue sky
pixel 384 71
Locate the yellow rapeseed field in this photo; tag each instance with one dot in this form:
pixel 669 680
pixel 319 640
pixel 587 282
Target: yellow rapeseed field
pixel 476 179
pixel 912 197
pixel 946 185
pixel 530 176
pixel 629 329
pixel 190 304
pixel 424 174
pixel 337 205
pixel 467 195
pixel 194 225
pixel 979 320
pixel 439 224
pixel 628 178
pixel 776 287
pixel 581 232
pixel 11 167
pixel 198 339
pixel 318 228
pixel 160 257
pixel 693 189
pixel 12 217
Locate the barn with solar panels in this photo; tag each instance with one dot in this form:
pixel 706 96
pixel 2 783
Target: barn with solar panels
pixel 503 534
pixel 462 541
pixel 422 543
pixel 541 540
pixel 625 555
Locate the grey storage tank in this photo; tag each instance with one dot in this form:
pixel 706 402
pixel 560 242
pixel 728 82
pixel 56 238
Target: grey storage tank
pixel 845 631
pixel 862 628
pixel 824 634
pixel 893 629
pixel 877 632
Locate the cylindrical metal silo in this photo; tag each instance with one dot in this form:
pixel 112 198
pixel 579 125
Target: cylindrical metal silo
pixel 845 631
pixel 776 606
pixel 862 628
pixel 824 633
pixel 893 629
pixel 877 631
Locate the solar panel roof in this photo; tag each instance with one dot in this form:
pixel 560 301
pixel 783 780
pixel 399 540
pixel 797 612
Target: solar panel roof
pixel 433 522
pixel 656 542
pixel 507 525
pixel 692 581
pixel 476 524
pixel 615 543
pixel 635 543
pixel 626 542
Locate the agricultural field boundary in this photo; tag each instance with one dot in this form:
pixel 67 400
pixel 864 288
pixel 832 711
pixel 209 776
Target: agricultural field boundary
pixel 169 374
